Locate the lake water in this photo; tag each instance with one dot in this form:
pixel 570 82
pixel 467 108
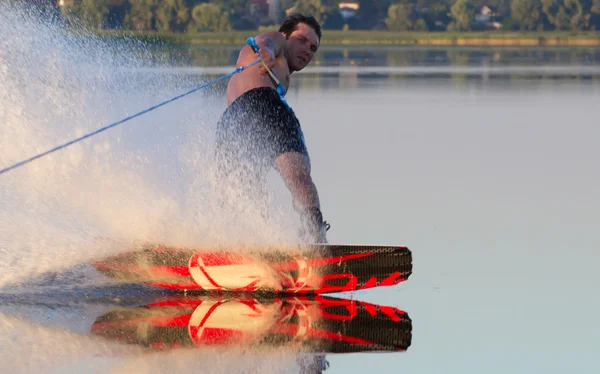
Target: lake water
pixel 483 161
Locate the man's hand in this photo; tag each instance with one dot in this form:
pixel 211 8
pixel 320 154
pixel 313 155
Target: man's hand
pixel 267 57
pixel 270 44
pixel 313 229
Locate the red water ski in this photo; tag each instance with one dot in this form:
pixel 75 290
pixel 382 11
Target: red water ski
pixel 313 269
pixel 315 324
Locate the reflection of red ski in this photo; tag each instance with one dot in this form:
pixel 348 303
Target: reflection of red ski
pixel 318 324
pixel 312 269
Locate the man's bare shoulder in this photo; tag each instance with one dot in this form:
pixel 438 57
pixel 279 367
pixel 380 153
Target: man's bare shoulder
pixel 275 35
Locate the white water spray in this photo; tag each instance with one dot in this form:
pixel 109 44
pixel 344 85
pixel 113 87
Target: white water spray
pixel 147 180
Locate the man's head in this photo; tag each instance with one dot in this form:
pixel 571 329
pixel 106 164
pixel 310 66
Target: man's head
pixel 303 36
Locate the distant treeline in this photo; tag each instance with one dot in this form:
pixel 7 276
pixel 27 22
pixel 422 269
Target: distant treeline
pixel 194 16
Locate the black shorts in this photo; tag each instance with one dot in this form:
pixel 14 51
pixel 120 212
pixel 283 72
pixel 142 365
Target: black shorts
pixel 253 131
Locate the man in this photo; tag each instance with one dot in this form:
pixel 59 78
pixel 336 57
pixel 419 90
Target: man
pixel 258 130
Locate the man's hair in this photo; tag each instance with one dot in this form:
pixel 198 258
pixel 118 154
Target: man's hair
pixel 290 24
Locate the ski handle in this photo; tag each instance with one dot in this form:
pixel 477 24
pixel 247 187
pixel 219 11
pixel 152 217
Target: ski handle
pixel 280 88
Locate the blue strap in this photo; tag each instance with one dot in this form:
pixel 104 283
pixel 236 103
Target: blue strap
pixel 280 88
pixel 252 43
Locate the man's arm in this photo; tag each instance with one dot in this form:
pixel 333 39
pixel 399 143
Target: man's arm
pixel 294 168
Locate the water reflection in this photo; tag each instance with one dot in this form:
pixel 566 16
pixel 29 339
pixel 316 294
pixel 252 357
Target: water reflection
pixel 340 68
pixel 249 322
pixel 321 324
pixel 195 56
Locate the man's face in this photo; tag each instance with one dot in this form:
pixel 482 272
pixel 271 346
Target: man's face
pixel 302 45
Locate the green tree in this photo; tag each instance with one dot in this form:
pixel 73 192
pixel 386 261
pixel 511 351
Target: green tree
pixel 227 5
pixel 463 12
pixel 172 15
pixel 575 14
pixel 398 18
pixel 525 13
pixel 401 17
pixel 91 13
pixel 142 15
pixel 313 8
pixel 562 15
pixel 210 17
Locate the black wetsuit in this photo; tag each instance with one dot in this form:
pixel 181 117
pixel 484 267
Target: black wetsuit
pixel 252 132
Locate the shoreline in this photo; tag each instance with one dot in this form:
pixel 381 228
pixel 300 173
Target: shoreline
pixel 381 38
